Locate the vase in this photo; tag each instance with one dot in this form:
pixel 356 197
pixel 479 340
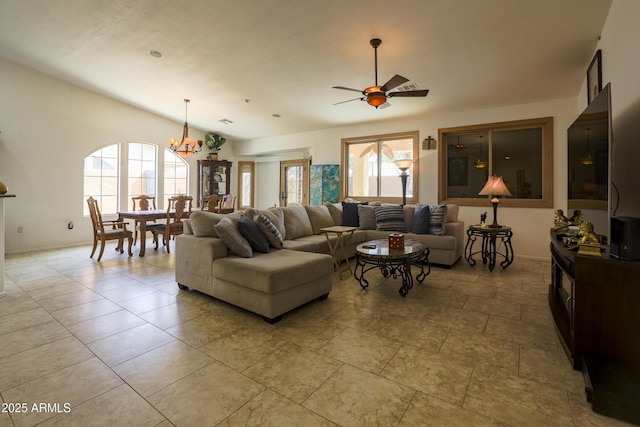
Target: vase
pixel 213 156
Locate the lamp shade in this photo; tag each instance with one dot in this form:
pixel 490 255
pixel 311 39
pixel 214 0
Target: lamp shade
pixel 403 164
pixel 495 186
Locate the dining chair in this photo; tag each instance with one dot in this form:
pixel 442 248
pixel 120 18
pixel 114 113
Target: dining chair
pixel 212 203
pixel 141 203
pixel 228 202
pixel 178 209
pixel 107 230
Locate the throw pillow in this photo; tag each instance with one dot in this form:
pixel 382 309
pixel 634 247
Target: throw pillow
pixel 437 218
pixel 335 209
pixel 319 217
pixel 390 218
pixel 270 231
pixel 420 223
pixel 276 216
pixel 202 223
pixel 296 222
pixel 366 217
pixel 228 232
pixel 252 233
pixel 350 214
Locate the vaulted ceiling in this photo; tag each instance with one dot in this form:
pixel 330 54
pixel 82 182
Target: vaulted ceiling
pixel 248 60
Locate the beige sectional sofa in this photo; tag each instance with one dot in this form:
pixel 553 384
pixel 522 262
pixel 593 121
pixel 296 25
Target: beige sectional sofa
pixel 275 282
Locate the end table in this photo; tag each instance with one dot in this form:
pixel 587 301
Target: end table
pixel 489 251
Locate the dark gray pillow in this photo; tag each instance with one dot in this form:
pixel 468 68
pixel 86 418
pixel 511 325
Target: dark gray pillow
pixel 252 233
pixel 350 214
pixel 437 218
pixel 228 232
pixel 390 218
pixel 420 223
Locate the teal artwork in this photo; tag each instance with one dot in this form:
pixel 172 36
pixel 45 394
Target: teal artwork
pixel 324 183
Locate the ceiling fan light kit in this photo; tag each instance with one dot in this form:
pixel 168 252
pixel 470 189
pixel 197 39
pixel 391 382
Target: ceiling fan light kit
pixel 377 96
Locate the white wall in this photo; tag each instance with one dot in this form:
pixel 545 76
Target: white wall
pixel 48 127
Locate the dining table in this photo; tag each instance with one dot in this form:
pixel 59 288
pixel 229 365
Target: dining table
pixel 142 217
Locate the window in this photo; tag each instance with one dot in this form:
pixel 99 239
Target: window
pixel 138 166
pixel 101 172
pixel 246 174
pixel 521 152
pixel 142 170
pixel 369 170
pixel 176 175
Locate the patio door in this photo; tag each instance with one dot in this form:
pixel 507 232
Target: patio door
pixel 294 182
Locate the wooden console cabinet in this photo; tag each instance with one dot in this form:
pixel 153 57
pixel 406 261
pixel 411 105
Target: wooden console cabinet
pixel 595 304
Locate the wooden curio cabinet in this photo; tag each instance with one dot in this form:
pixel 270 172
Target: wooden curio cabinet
pixel 214 178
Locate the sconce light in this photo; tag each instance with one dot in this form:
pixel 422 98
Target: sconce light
pixel 429 143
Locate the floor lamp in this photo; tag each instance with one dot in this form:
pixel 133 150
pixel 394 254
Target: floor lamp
pixel 495 187
pixel 404 165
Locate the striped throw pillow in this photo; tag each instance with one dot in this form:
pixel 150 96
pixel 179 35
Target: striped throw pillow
pixel 269 230
pixel 390 218
pixel 437 218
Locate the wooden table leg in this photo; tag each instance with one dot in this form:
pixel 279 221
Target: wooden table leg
pixel 143 237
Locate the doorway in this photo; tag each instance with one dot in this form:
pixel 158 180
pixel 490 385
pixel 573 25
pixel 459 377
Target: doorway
pixel 294 182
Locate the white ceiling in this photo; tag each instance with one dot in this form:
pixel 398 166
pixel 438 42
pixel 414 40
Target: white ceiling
pixel 285 55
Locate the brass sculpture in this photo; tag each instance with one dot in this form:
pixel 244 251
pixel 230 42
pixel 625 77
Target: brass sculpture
pixel 589 242
pixel 559 220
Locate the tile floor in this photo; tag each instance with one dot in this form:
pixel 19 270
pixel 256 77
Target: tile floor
pixel 115 343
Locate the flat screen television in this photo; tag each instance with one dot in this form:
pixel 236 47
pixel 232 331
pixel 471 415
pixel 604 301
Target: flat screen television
pixel 589 153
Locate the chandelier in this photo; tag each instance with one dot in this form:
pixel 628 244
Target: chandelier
pixel 185 147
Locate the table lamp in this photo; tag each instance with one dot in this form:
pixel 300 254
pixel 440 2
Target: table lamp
pixel 495 187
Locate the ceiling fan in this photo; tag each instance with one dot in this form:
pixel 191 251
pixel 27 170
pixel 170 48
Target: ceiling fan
pixel 377 95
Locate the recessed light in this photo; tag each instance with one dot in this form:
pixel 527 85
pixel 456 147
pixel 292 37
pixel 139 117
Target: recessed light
pixel 156 54
pixel 277 116
pixel 225 121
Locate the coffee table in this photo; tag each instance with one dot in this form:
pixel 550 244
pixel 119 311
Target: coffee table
pixel 392 262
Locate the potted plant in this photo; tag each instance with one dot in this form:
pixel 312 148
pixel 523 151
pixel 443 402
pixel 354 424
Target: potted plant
pixel 214 142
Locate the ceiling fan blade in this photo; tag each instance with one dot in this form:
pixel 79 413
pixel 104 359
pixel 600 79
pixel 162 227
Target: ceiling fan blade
pixel 408 93
pixel 349 100
pixel 347 88
pixel 393 82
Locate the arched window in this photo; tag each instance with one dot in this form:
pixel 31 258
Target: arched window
pixel 176 175
pixel 101 177
pixel 137 164
pixel 142 169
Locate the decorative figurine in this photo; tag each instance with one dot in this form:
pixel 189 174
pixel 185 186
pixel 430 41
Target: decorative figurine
pixel 577 218
pixel 483 218
pixel 589 243
pixel 586 233
pixel 559 218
